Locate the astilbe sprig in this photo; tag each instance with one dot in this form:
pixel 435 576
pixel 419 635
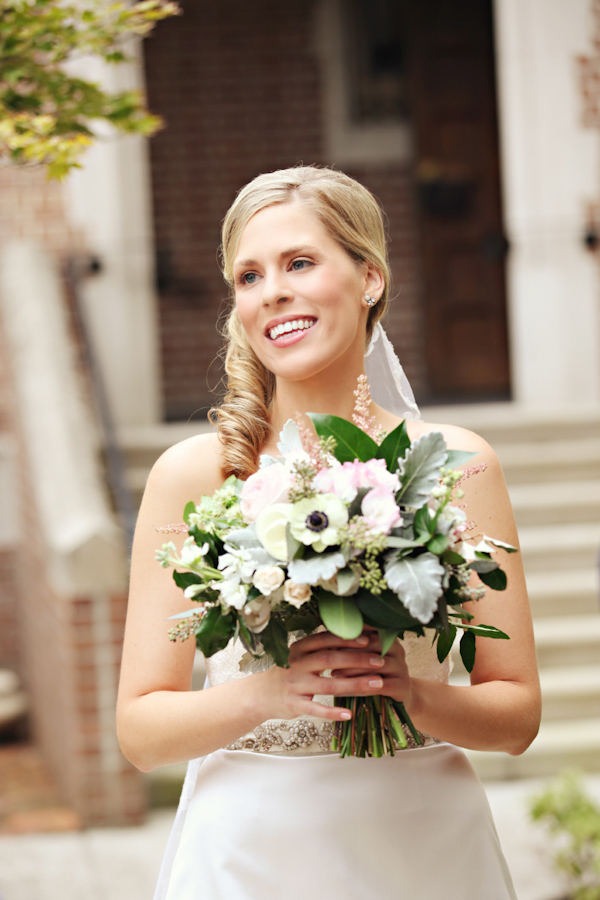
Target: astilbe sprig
pixel 361 415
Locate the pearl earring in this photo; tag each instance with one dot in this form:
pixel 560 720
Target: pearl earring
pixel 370 301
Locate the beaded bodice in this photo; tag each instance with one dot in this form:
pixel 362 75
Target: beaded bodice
pixel 311 734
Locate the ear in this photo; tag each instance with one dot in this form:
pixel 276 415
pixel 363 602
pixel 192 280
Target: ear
pixel 374 281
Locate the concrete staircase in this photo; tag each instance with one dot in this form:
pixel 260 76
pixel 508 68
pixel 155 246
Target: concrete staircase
pixel 552 465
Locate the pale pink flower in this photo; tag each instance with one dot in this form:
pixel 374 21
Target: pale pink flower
pixel 344 481
pixel 380 511
pixel 267 486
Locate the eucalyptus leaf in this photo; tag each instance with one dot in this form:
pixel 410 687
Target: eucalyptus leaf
pixel 452 558
pixel 467 650
pixel 483 565
pixel 340 616
pixel 419 471
pixel 437 544
pixel 351 442
pixel 496 579
pixel 394 446
pixel 418 583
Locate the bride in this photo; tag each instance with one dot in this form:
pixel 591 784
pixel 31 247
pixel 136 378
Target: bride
pixel 267 810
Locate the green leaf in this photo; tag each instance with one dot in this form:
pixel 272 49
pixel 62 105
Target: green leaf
pixel 424 523
pixel 351 442
pixel 487 631
pixel 445 641
pixel 467 650
pixel 302 621
pixel 275 641
pixel 387 639
pixel 458 458
pixel 188 509
pixel 184 579
pixel 419 471
pixel 496 580
pixel 452 558
pixel 394 446
pixel 385 611
pixel 215 631
pixel 340 616
pixel 437 544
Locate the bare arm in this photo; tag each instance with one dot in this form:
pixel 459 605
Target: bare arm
pixel 501 709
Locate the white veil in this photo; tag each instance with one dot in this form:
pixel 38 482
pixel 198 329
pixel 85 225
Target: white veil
pixel 388 384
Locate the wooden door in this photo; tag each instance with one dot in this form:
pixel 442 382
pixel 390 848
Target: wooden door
pixel 450 60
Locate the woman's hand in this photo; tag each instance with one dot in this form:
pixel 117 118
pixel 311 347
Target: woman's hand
pixel 357 669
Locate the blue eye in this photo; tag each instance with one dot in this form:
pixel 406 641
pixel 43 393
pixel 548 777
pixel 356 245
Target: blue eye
pixel 299 264
pixel 248 278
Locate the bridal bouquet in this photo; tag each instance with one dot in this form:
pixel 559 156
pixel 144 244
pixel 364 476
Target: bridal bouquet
pixel 341 532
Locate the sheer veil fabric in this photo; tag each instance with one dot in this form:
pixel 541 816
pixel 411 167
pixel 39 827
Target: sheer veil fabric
pixel 272 825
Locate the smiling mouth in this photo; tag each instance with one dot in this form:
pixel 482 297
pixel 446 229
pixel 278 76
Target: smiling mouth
pixel 293 327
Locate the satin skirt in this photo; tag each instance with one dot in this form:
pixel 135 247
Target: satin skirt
pixel 264 827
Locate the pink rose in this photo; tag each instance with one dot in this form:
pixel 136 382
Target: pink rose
pixel 263 488
pixel 380 511
pixel 344 481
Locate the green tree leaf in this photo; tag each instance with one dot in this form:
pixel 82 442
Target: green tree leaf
pixel 340 615
pixel 385 611
pixel 351 442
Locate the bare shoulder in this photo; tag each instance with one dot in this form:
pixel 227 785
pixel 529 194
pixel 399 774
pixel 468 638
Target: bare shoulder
pixel 188 469
pixel 456 438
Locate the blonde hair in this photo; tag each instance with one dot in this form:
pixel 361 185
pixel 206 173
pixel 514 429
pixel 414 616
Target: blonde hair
pixel 354 220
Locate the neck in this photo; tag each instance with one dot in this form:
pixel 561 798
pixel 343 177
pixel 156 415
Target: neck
pixel 328 394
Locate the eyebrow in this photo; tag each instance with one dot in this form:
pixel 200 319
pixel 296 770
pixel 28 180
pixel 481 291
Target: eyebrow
pixel 301 248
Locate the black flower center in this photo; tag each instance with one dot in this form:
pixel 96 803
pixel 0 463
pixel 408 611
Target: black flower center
pixel 317 521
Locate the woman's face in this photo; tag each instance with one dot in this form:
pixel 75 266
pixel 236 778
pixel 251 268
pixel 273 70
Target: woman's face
pixel 299 295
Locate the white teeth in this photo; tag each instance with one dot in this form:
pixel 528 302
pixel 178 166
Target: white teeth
pixel 288 327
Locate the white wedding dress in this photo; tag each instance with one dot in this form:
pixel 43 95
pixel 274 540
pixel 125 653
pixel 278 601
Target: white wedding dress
pixel 278 816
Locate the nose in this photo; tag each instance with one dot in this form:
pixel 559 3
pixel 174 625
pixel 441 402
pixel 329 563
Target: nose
pixel 276 289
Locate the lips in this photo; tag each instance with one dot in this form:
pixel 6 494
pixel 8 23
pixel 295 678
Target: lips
pixel 290 327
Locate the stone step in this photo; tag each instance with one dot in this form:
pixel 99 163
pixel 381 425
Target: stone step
pixel 511 423
pixel 567 641
pixel 571 592
pixel 551 461
pixel 559 745
pixel 548 548
pixel 570 692
pixel 553 504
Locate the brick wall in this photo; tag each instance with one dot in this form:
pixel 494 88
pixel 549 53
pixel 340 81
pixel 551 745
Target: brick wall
pixel 238 85
pixel 66 648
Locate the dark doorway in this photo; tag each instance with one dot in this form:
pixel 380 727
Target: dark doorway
pixel 452 107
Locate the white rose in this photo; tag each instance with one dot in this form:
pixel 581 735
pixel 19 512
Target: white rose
pixel 267 579
pixel 296 594
pixel 256 614
pixel 271 529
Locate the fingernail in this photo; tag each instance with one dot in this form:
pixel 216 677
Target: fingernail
pixel 376 661
pixel 346 715
pixel 376 682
